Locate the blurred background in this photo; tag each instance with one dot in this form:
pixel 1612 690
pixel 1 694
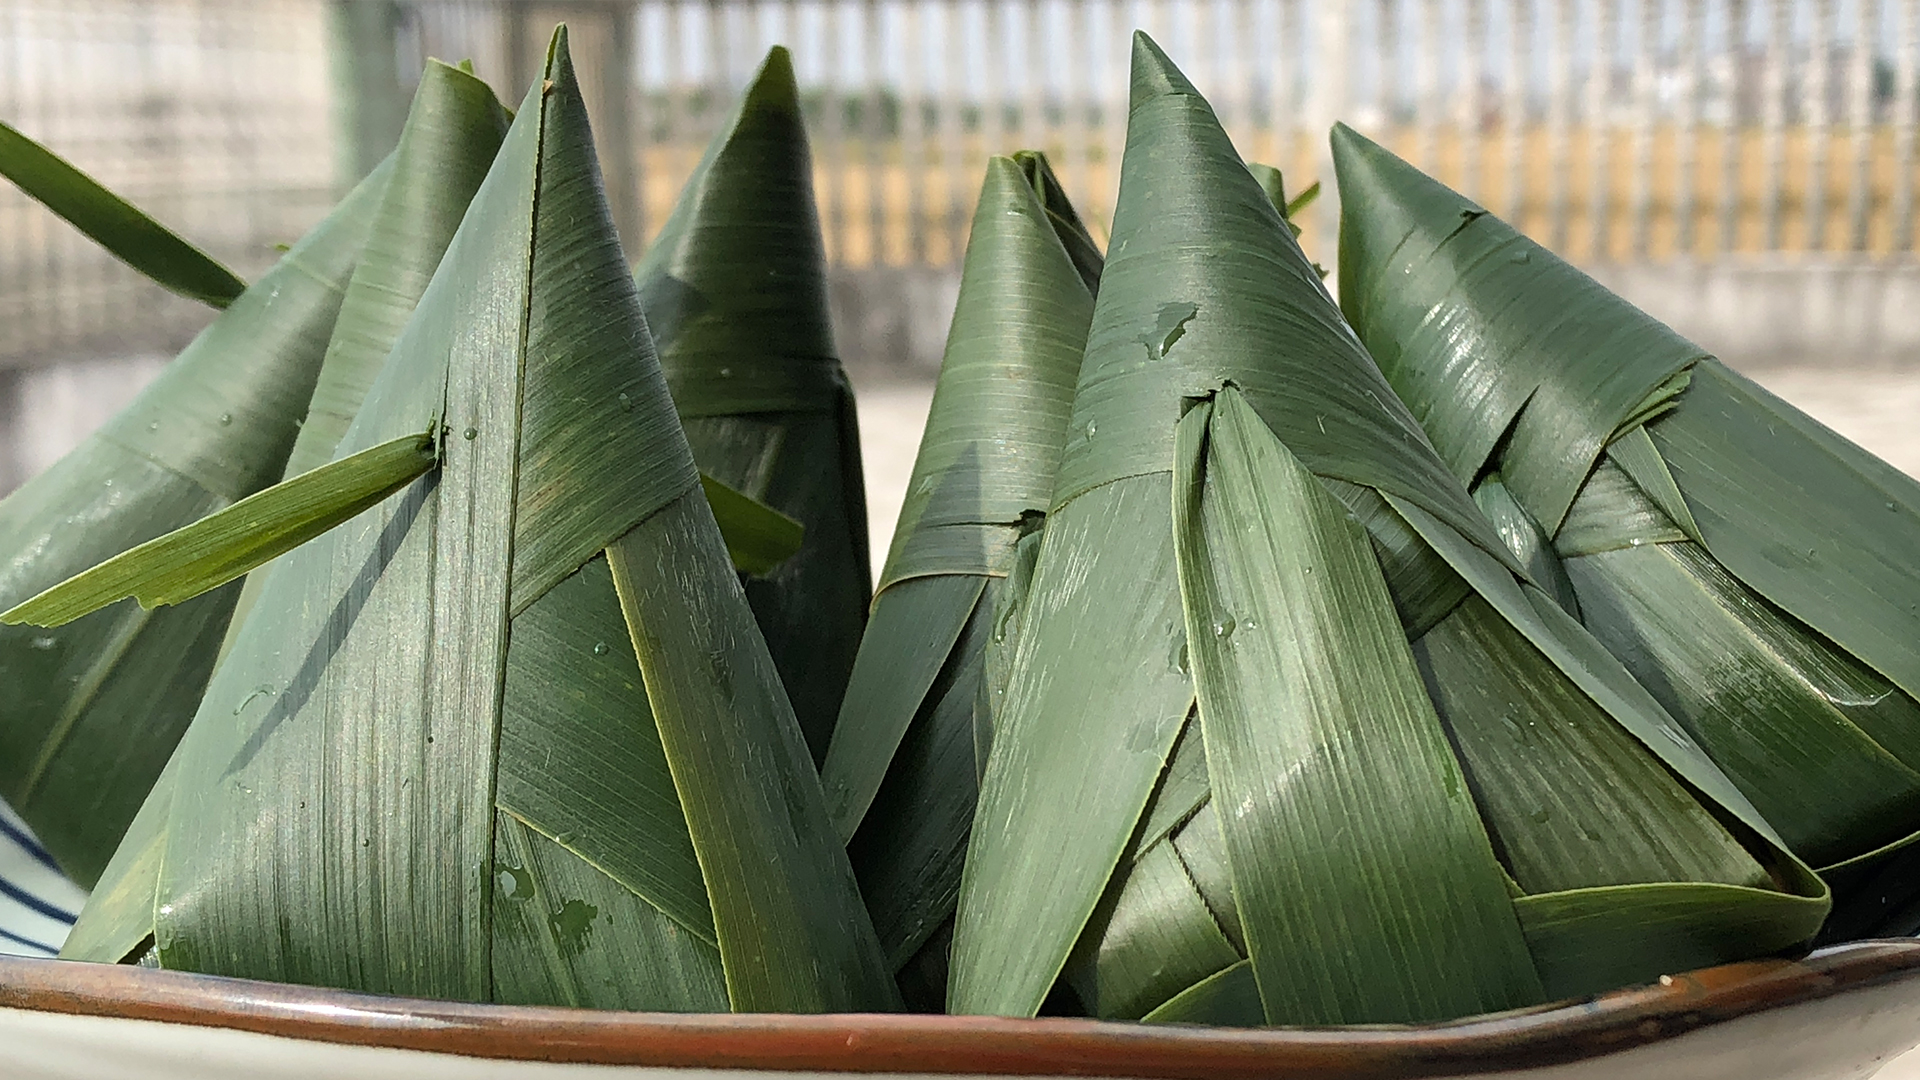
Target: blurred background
pixel 1745 169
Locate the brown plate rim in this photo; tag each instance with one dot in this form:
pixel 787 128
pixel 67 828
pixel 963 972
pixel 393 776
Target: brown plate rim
pixel 960 1045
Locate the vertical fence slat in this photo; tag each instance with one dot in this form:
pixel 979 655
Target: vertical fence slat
pixel 1906 68
pixel 1559 101
pixel 874 133
pixel 913 144
pixel 1332 68
pixel 1640 207
pixel 953 136
pixel 1599 76
pixel 1735 77
pixel 1249 59
pixel 1391 78
pixel 1773 123
pixel 1426 76
pixel 1860 121
pixel 1691 46
pixel 830 162
pixel 1035 125
pixel 1473 30
pixel 1513 112
pixel 1814 87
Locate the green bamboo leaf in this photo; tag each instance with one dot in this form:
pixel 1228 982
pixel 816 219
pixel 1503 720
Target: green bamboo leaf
pixel 985 466
pixel 1525 538
pixel 222 546
pixel 1009 614
pixel 759 538
pixel 1084 756
pixel 117 922
pixel 226 544
pixel 1150 940
pixel 1556 417
pixel 93 711
pixel 735 291
pixel 902 770
pixel 115 224
pixel 1229 998
pixel 1099 686
pixel 909 851
pixel 1275 186
pixel 1780 638
pixel 1390 906
pixel 546 906
pixel 1293 206
pixel 448 755
pixel 1072 231
pixel 452 132
pixel 795 938
pixel 1588 941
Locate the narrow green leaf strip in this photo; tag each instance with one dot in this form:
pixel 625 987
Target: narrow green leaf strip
pixel 1366 885
pixel 222 546
pixel 793 934
pixel 115 224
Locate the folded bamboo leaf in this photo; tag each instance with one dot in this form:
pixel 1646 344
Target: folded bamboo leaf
pixel 511 735
pixel 1065 220
pixel 759 538
pixel 735 291
pixel 1227 998
pixel 117 922
pixel 1150 940
pixel 453 129
pixel 1275 185
pixel 92 711
pixel 1009 612
pixel 1099 685
pixel 985 464
pixel 1293 206
pixel 1205 290
pixel 1753 569
pixel 115 224
pixel 222 546
pixel 1390 903
pixel 901 773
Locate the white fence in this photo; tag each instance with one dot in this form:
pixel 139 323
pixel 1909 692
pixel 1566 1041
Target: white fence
pixel 1613 129
pixel 1617 131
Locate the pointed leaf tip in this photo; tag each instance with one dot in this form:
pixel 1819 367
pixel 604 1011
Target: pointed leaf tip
pixel 1154 75
pixel 1359 162
pixel 774 86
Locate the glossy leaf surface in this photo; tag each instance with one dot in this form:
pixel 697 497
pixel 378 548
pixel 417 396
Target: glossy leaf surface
pixel 735 291
pixel 94 709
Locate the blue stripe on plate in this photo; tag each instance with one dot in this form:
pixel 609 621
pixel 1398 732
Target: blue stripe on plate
pixel 29 900
pixel 8 935
pixel 27 843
